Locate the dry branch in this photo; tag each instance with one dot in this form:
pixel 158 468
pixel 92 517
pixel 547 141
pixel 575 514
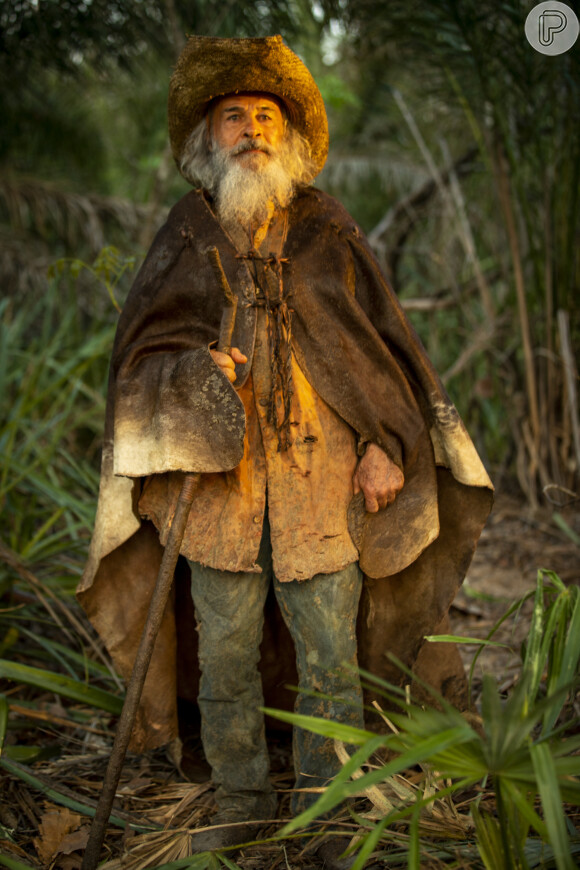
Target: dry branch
pixel 399 221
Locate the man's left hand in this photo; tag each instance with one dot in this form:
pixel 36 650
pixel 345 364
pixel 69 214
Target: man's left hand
pixel 379 479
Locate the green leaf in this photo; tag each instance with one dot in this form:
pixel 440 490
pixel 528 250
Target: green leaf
pixel 518 796
pixel 549 789
pixel 336 791
pixel 369 843
pixel 326 727
pixel 28 754
pixel 559 520
pixel 489 841
pixel 536 650
pixel 414 859
pixel 571 655
pixel 454 638
pixel 66 686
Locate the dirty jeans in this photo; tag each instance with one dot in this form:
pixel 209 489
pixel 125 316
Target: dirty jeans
pixel 321 616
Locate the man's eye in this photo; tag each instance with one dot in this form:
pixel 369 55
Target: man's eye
pixel 233 118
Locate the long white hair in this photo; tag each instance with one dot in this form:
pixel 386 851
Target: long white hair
pixel 242 195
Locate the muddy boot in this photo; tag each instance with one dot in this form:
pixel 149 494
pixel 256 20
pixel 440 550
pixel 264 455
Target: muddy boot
pixel 224 832
pixel 330 851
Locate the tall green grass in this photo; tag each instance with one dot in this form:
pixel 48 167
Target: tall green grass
pixel 524 757
pixel 53 368
pixel 54 356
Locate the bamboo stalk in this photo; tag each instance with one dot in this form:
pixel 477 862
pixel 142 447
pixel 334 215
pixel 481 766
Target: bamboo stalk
pixel 549 303
pixel 506 203
pixel 571 376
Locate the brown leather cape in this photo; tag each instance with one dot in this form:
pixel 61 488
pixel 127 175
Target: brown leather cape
pixel 170 408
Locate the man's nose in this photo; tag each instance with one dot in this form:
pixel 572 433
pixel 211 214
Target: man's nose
pixel 252 130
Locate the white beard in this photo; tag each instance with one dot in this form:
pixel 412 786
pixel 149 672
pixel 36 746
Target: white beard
pixel 247 187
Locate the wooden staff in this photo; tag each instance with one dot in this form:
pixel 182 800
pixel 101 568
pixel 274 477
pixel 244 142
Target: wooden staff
pixel 156 608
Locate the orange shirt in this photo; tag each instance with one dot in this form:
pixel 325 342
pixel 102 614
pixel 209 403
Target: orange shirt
pixel 308 485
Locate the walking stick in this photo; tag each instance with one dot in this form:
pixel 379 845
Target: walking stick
pixel 156 610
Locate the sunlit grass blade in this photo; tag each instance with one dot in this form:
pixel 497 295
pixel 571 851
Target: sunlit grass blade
pixel 491 713
pixel 553 579
pixel 472 641
pixel 414 856
pixel 536 649
pixel 84 662
pixel 338 789
pixel 568 746
pixel 48 646
pixel 42 532
pixel 69 688
pixel 525 807
pixel 549 789
pixel 370 842
pixel 570 656
pixel 489 842
pixel 326 727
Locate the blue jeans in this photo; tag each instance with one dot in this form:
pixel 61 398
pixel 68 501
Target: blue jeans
pixel 321 616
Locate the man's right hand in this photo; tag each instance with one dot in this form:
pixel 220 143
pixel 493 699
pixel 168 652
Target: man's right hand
pixel 227 361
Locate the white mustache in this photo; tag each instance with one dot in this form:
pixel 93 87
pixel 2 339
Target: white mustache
pixel 252 145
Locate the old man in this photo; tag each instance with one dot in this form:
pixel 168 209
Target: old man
pixel 336 476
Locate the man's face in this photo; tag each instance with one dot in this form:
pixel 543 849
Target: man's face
pixel 253 120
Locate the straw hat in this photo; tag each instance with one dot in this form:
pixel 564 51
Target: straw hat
pixel 209 67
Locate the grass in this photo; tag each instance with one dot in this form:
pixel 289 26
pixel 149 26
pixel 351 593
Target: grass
pixel 53 371
pixel 52 378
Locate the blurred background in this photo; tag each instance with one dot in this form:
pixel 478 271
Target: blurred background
pixel 453 142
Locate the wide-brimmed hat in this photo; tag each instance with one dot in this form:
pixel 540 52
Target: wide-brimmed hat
pixel 209 67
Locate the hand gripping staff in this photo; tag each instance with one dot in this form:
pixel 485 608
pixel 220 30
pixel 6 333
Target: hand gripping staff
pixel 156 608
